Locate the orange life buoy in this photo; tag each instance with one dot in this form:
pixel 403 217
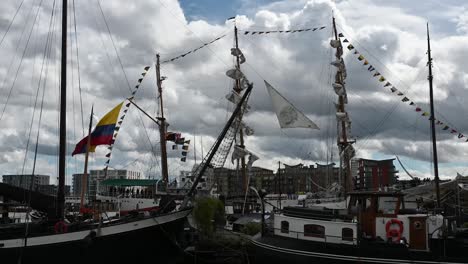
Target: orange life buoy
pixel 60 227
pixel 394 234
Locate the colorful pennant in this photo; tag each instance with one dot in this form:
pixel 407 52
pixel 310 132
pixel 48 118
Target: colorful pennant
pixel 248 32
pixel 405 99
pixel 194 50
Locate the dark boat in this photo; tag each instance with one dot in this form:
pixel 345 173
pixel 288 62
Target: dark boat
pixel 374 229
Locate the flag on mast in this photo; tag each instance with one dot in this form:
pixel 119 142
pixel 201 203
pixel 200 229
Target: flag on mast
pixel 288 115
pixel 102 133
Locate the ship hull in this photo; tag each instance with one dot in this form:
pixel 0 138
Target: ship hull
pixel 273 249
pixel 137 240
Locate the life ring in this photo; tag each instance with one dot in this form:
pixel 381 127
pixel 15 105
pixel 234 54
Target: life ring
pixel 394 234
pixel 60 227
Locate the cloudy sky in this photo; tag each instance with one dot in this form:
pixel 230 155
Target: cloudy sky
pixel 390 34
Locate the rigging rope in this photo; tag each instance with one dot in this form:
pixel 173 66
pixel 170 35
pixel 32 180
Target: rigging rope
pixel 15 55
pixel 11 22
pixel 78 68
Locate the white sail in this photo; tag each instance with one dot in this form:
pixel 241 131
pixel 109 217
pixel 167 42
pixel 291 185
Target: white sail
pixel 238 153
pixel 288 115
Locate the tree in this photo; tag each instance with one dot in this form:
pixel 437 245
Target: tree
pixel 208 213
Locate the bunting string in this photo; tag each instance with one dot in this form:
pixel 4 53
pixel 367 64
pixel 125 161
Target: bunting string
pixel 194 50
pixel 405 99
pixel 122 117
pixel 248 32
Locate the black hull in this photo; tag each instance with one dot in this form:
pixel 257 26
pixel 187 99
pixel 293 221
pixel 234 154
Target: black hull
pixel 274 249
pixel 157 242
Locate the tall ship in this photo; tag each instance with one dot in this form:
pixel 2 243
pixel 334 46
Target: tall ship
pixel 374 226
pixel 56 237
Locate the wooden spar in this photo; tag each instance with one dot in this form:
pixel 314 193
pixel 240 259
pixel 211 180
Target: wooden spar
pixel 279 184
pixel 144 112
pixel 432 119
pixel 342 145
pixel 84 178
pixel 162 126
pixel 63 117
pixel 238 89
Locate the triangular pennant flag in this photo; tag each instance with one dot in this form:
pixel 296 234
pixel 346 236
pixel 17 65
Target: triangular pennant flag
pixel 115 135
pixel 360 57
pixel 350 47
pixel 137 86
pixel 134 92
pixel 345 40
pixel 405 99
pixel 247 32
pixel 187 141
pixel 445 128
pixel 370 68
pixel 453 131
pixel 400 94
pixel 425 114
pixel 418 109
pixel 127 105
pixel 125 111
pixel 387 84
pixel 393 89
pixel 108 155
pixel 439 122
pixel 460 135
pixel 366 62
pixel 143 73
pixel 110 147
pixel 122 117
pixel 147 68
pixel 376 74
pixel 183 159
pixel 185 147
pixel 356 52
pixel 412 103
pixel 107 162
pixel 341 35
pixel 288 115
pixel 117 129
pixel 322 28
pixel 120 122
pixel 140 80
pixel 184 153
pixel 174 146
pixel 381 79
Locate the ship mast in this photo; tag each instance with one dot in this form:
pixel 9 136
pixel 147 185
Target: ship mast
pixel 342 139
pixel 238 89
pixel 63 117
pixel 432 119
pixel 162 125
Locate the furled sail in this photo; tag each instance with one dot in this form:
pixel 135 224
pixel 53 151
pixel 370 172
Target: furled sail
pixel 288 115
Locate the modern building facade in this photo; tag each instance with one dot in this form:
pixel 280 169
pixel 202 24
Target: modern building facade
pixel 24 181
pixel 373 175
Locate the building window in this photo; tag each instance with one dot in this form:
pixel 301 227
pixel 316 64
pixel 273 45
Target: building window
pixel 314 231
pixel 285 227
pixel 347 234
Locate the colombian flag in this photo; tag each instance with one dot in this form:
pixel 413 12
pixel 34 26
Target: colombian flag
pixel 102 133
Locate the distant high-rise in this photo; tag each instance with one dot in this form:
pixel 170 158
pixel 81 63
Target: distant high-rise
pixel 24 180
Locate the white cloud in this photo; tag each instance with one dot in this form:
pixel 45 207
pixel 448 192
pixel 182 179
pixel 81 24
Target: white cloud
pixel 392 38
